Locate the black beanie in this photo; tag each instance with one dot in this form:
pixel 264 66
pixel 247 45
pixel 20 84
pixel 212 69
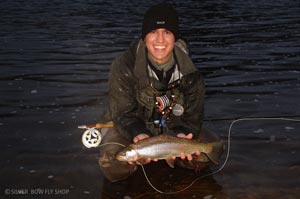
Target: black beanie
pixel 161 16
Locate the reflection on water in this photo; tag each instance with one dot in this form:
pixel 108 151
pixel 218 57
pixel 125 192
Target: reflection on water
pixel 55 57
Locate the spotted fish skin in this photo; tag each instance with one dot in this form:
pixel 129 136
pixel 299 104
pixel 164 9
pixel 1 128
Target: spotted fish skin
pixel 164 147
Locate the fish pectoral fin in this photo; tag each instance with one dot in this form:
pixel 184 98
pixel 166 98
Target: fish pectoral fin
pixel 142 161
pixel 170 162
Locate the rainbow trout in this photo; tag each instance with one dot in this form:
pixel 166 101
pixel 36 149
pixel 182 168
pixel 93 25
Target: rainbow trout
pixel 166 147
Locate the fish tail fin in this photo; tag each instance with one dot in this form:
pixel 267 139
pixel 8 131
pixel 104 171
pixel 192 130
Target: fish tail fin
pixel 216 152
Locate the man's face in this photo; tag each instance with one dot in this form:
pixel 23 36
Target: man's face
pixel 160 44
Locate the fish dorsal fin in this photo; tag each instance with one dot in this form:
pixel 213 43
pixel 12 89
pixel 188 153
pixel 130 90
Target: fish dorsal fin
pixel 170 162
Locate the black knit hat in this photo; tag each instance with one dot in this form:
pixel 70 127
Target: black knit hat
pixel 161 16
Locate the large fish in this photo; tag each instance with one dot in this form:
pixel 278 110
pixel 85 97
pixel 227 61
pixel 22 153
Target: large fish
pixel 166 147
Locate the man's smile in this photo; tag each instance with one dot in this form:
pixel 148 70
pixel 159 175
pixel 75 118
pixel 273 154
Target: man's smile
pixel 160 47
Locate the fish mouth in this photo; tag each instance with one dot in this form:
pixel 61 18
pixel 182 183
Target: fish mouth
pixel 121 156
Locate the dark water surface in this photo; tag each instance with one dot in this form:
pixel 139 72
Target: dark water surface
pixel 54 59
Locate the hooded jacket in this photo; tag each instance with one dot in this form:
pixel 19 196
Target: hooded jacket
pixel 131 94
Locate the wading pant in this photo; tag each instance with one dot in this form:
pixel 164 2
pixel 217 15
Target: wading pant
pixel 115 170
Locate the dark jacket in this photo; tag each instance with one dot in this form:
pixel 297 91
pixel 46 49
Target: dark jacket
pixel 131 94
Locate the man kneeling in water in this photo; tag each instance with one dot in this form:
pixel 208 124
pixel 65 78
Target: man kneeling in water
pixel 154 88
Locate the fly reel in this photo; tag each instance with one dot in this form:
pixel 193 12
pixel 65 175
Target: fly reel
pixel 91 138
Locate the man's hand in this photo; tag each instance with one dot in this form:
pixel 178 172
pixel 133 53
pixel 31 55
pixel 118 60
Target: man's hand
pixel 137 139
pixel 189 157
pixel 140 137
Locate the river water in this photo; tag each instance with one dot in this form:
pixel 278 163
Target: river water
pixel 55 57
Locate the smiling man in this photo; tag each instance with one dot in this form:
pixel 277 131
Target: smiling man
pixel 154 88
pixel 160 44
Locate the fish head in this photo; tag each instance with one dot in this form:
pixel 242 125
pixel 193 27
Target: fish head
pixel 127 154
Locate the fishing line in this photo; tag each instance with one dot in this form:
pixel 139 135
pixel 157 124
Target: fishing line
pixel 227 154
pixel 226 158
pixel 113 143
